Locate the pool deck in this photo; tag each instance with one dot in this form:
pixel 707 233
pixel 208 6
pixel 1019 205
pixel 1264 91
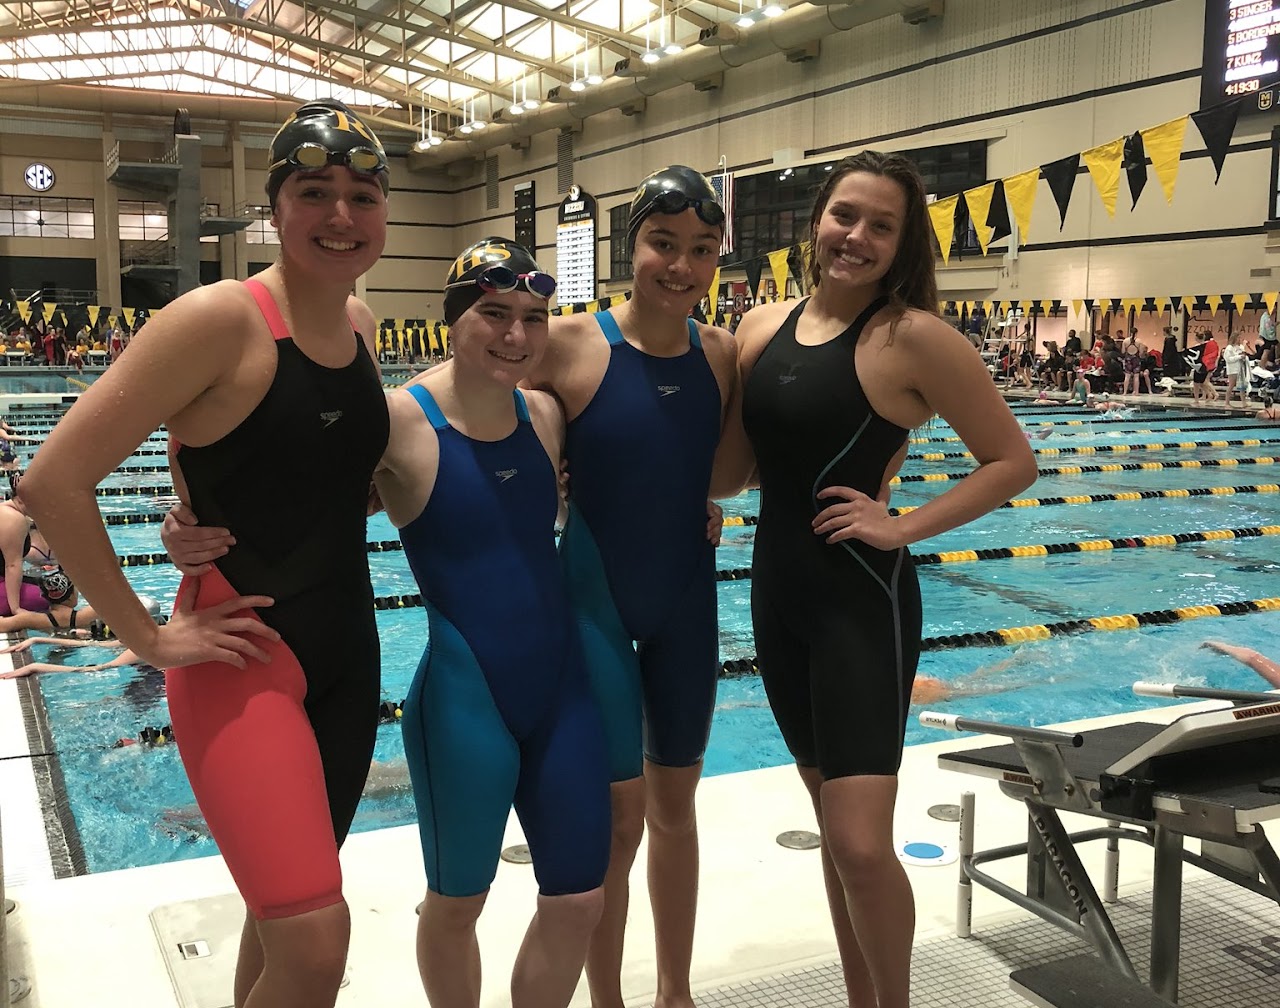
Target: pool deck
pixel 89 941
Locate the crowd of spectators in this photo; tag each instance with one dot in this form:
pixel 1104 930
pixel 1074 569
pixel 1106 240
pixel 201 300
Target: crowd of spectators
pixel 1213 367
pixel 55 346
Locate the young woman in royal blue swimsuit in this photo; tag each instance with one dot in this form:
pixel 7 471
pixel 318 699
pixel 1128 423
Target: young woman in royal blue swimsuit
pixel 831 386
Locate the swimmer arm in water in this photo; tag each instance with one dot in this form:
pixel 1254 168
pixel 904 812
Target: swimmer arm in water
pixel 1260 663
pixel 125 657
pixel 61 642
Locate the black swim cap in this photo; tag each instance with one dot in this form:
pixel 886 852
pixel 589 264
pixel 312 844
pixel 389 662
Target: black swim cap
pixel 330 125
pixel 475 260
pixel 683 181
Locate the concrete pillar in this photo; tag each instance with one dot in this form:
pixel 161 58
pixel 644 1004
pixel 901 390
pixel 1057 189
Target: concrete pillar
pixel 106 227
pixel 184 215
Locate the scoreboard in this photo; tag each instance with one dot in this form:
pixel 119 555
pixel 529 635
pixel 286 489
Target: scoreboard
pixel 1242 54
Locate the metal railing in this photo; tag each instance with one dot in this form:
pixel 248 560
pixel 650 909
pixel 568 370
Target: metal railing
pixel 155 252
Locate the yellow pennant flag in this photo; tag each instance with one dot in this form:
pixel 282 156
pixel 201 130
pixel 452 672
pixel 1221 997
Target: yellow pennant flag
pixel 128 317
pixel 49 309
pixel 1163 145
pixel 112 320
pixel 1239 300
pixel 1021 191
pixel 24 310
pixel 566 308
pixel 1269 299
pixel 778 266
pixel 593 307
pixel 1103 163
pixel 943 215
pixel 978 200
pixel 1127 305
pixel 986 308
pixel 399 323
pixel 1215 302
pixel 714 292
pixel 1077 306
pixel 93 310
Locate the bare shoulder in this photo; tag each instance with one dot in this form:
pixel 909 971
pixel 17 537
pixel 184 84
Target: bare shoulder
pixel 543 407
pixel 565 331
pixel 758 326
pixel 361 316
pixel 224 307
pixel 718 343
pixel 924 332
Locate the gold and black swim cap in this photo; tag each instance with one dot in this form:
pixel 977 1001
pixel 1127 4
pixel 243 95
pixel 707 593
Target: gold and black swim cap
pixel 462 285
pixel 321 133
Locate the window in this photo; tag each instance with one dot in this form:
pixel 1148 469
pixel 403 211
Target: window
pixel 260 231
pixel 45 217
pixel 143 220
pixel 772 208
pixel 619 253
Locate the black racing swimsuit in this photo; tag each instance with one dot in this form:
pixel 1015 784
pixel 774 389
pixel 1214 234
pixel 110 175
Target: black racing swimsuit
pixel 837 627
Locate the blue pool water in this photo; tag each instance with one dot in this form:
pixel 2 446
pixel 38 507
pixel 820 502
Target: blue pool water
pixel 133 805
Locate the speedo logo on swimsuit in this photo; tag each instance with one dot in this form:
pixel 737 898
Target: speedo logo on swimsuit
pixel 667 390
pixel 786 379
pixel 505 474
pixel 331 418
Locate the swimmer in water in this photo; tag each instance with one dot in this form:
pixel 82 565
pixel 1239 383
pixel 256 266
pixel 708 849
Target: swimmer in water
pixel 1260 663
pixel 125 657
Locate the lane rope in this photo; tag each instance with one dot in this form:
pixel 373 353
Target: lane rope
pixel 1112 467
pixel 1133 495
pixel 1115 449
pixel 736 667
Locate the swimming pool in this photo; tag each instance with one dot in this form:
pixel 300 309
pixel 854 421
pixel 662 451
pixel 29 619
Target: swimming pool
pixel 132 806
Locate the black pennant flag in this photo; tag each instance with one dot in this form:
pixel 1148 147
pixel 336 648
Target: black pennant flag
pixel 795 263
pixel 1135 165
pixel 1088 305
pixel 1216 125
pixel 754 268
pixel 1061 176
pixel 998 214
pixel 1176 302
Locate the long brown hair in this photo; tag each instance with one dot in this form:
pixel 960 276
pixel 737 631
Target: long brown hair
pixel 910 281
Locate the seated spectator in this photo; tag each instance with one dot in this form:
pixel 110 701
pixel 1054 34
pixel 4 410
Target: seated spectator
pixel 1053 370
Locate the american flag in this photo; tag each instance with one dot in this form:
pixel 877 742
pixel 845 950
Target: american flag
pixel 722 183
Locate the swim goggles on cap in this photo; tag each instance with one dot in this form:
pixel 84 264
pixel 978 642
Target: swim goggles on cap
pixel 503 280
pixel 364 160
pixel 671 201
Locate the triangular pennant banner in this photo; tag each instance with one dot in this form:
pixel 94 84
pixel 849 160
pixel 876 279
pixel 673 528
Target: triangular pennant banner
pixel 92 311
pixel 1239 300
pixel 1163 145
pixel 978 200
pixel 1175 302
pixel 753 267
pixel 128 317
pixel 1077 306
pixel 1103 163
pixel 712 291
pixel 778 265
pixel 998 213
pixel 1269 299
pixel 1061 176
pixel 795 263
pixel 24 311
pixel 49 309
pixel 1215 303
pixel 1089 305
pixel 1021 190
pixel 1216 126
pixel 943 215
pixel 1135 165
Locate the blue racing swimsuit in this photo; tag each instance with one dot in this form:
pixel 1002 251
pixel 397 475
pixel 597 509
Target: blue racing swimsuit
pixel 500 712
pixel 640 570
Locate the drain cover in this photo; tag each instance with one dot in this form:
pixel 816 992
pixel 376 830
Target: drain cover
pixel 194 949
pixel 947 813
pixel 799 839
pixel 519 854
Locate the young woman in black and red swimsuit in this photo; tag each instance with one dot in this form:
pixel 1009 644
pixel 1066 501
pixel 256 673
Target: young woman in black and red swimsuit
pixel 262 384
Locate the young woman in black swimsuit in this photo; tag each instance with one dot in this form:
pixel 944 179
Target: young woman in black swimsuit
pixel 831 387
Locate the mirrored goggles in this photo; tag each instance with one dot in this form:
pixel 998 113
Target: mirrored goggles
pixel 313 156
pixel 670 201
pixel 503 280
